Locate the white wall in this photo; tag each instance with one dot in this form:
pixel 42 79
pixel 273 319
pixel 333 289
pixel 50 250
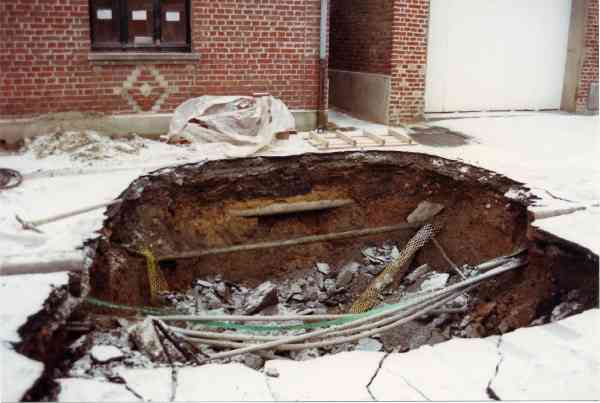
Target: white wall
pixel 496 54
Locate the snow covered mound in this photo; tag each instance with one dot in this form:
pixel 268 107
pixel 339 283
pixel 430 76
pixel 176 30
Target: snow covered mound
pixel 84 145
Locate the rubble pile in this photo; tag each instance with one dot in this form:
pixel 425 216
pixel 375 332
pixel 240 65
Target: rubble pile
pixel 322 289
pixel 85 145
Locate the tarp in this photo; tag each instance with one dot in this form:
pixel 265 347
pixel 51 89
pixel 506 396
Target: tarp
pixel 245 124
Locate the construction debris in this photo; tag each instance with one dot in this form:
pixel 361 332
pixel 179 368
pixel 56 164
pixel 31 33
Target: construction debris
pixel 85 145
pixel 264 296
pixel 349 138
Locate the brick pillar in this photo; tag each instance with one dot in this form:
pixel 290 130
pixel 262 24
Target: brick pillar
pixel 589 68
pixel 408 60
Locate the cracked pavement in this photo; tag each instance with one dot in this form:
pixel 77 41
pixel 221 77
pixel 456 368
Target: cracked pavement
pixel 556 361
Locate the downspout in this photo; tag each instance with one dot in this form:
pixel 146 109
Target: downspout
pixel 322 108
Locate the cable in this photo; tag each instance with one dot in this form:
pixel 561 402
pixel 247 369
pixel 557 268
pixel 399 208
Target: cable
pixel 10 178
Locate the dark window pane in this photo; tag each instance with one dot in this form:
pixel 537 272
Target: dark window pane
pixel 105 23
pixel 174 23
pixel 140 23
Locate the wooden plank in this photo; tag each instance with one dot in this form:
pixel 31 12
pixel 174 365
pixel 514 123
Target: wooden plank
pixel 375 138
pixel 321 142
pixel 346 138
pixel 400 136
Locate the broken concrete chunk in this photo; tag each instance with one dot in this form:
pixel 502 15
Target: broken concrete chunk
pixel 253 361
pixel 324 269
pixel 263 296
pixel 345 276
pixel 425 211
pixel 145 339
pixel 435 281
pixel 417 273
pixel 564 310
pixel 305 355
pixel 329 285
pixel 102 354
pixel 272 372
pixel 369 344
pixel 211 299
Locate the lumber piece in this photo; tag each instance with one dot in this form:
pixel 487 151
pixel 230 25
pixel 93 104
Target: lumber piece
pixel 321 142
pixel 287 208
pixel 340 134
pixel 375 138
pixel 400 136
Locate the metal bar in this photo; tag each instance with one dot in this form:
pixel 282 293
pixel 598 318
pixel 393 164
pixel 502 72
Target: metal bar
pixel 293 242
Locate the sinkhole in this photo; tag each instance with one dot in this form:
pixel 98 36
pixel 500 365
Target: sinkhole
pixel 176 215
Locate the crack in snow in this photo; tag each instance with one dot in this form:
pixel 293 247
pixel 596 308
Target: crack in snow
pixel 375 376
pixel 489 390
pixel 133 392
pixel 413 387
pixel 269 388
pixel 174 375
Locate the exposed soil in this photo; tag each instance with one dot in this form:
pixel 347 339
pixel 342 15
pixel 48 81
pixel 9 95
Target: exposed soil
pixel 189 208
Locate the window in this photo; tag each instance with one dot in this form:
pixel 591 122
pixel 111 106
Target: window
pixel 140 25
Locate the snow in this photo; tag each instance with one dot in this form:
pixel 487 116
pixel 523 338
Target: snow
pixel 89 390
pixel 15 309
pixel 105 353
pixel 342 376
pixel 532 370
pixel 58 184
pixel 553 154
pixel 152 384
pixel 19 373
pixel 231 382
pixel 438 373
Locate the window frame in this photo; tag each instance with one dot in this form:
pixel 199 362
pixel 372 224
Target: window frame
pixel 120 9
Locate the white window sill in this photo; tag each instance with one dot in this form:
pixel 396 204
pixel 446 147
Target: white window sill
pixel 129 57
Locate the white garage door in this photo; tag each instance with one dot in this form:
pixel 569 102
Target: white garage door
pixel 496 54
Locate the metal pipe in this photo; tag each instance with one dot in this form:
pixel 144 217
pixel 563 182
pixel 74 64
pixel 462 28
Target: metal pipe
pixel 321 115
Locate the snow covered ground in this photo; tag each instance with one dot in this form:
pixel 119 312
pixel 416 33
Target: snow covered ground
pixel 558 361
pixel 553 154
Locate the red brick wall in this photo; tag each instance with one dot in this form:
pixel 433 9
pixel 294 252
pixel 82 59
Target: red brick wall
pixel 409 60
pixel 244 47
pixel 361 35
pixel 589 69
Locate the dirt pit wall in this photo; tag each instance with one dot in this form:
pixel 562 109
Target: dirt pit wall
pixel 190 208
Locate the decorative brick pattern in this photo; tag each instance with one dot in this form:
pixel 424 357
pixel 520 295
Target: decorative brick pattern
pixel 145 89
pixel 408 60
pixel 361 35
pixel 244 47
pixel 589 69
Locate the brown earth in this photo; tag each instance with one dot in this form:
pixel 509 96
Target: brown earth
pixel 189 208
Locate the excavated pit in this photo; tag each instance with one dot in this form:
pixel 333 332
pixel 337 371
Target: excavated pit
pixel 191 208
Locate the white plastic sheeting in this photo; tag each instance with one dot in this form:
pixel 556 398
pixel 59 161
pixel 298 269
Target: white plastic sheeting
pixel 245 124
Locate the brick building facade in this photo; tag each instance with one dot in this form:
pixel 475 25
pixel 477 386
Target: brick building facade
pixel 589 69
pixel 382 48
pixel 237 47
